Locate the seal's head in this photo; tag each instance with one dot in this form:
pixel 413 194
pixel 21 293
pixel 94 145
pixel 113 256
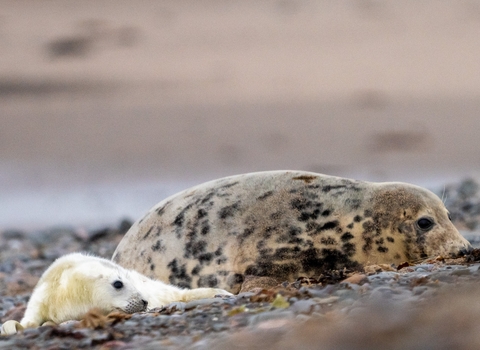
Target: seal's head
pixel 111 286
pixel 76 283
pixel 419 219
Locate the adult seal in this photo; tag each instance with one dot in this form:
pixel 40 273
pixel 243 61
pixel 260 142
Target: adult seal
pixel 285 224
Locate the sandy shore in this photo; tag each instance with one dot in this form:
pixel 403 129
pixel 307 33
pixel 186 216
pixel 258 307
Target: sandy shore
pixel 107 107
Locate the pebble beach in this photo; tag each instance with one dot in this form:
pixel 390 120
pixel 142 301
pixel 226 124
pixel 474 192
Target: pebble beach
pixel 429 305
pixel 109 107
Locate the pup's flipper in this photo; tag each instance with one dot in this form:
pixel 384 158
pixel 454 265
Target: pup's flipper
pixel 11 327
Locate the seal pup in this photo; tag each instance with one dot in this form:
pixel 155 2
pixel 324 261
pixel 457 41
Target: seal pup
pixel 77 283
pixel 283 225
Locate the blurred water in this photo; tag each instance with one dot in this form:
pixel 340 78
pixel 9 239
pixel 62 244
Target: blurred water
pixel 88 205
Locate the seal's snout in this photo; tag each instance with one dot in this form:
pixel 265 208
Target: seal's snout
pixel 465 251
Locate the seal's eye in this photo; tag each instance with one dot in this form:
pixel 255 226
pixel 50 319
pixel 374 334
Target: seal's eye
pixel 425 224
pixel 117 284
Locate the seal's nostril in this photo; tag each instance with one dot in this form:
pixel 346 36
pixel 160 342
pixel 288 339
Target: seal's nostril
pixel 466 250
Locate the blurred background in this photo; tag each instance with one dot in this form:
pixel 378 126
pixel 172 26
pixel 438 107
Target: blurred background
pixel 107 107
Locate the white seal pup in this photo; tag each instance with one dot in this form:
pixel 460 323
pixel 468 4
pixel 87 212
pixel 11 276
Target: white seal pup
pixel 76 283
pixel 283 225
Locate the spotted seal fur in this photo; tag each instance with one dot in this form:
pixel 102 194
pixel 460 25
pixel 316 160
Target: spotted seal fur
pixel 76 283
pixel 285 224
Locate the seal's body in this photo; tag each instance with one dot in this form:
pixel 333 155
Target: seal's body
pixel 76 283
pixel 285 224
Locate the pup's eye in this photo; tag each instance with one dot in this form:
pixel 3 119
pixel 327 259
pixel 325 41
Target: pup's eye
pixel 117 284
pixel 425 223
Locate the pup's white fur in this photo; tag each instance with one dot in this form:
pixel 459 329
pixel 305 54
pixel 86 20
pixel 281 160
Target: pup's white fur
pixel 76 283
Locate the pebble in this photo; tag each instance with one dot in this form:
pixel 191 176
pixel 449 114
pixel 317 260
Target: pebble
pixel 306 306
pixel 272 315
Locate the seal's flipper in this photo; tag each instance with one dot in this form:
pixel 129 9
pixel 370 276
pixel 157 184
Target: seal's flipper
pixel 11 327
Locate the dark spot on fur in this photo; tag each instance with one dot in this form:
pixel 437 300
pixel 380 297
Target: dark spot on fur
pixel 314 260
pixel 196 270
pixel 235 279
pixel 219 251
pixel 205 258
pixel 207 197
pixel 178 275
pixel 286 253
pixel 368 226
pixel 148 232
pixel 195 248
pixel 260 244
pixel 261 268
pixel 328 188
pixel 353 203
pixel 207 281
pixel 205 229
pixel 305 216
pixel 326 213
pixel 161 210
pixel 349 249
pixel 350 226
pixel 396 256
pixel 346 237
pixel 311 226
pixel 290 236
pixel 152 267
pixel 158 246
pixel 328 226
pixel 357 218
pixel 228 211
pixel 265 195
pixel 328 241
pixel 368 243
pixel 229 185
pixel 179 220
pixel 268 231
pixel 265 251
pixel 201 213
pixel 294 231
pixel 390 239
pixel 379 241
pixel 306 178
pixel 367 213
pixel 382 249
pixel 221 260
pixel 275 216
pixel 246 233
pixel 297 203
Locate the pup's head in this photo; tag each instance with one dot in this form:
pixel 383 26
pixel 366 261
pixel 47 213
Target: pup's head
pixel 77 283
